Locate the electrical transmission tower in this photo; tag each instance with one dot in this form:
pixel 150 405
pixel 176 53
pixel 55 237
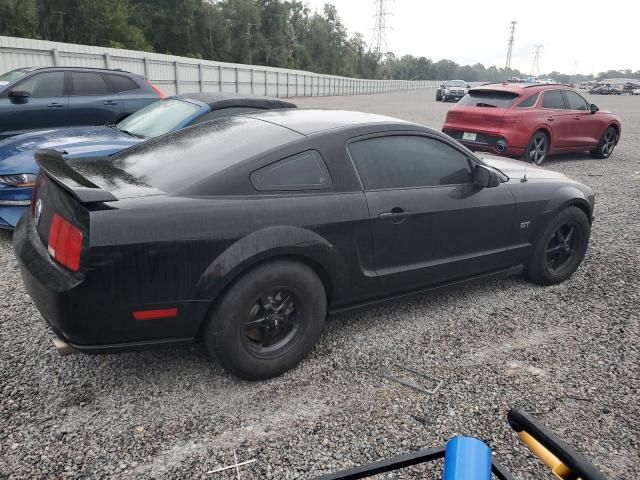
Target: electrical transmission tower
pixel 507 66
pixel 379 44
pixel 535 66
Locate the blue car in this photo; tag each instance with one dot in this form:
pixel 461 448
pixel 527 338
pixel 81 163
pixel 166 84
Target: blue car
pixel 18 168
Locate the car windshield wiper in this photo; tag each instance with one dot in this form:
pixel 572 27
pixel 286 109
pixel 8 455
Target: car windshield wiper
pixel 115 127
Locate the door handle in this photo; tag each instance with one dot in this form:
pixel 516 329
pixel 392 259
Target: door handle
pixel 396 215
pixel 55 105
pixel 577 117
pixel 551 119
pixel 110 103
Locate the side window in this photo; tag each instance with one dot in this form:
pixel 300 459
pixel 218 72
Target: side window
pixel 120 83
pixel 49 84
pixel 553 99
pixel 304 171
pixel 87 83
pixel 406 161
pixel 575 101
pixel 530 101
pixel 223 112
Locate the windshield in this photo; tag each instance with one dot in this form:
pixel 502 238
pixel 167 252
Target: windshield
pixel 13 75
pixel 488 98
pixel 158 118
pixel 456 83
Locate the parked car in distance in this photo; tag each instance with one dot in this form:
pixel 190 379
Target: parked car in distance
pixel 451 90
pixel 243 232
pixel 18 167
pixel 54 97
pixel 531 122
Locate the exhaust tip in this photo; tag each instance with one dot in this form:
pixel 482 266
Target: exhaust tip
pixel 62 347
pixel 501 146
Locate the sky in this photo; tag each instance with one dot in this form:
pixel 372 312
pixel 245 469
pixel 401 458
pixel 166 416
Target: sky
pixel 582 37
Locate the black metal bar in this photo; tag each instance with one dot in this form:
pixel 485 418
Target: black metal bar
pixel 500 471
pixel 395 463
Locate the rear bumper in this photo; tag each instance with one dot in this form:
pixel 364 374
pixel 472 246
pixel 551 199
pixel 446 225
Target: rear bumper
pixel 79 310
pixel 486 142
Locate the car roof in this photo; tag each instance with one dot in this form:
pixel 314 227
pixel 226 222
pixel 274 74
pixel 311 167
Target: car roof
pixel 114 70
pixel 218 100
pixel 311 121
pixel 517 88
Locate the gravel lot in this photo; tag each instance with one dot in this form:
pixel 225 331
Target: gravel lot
pixel 568 353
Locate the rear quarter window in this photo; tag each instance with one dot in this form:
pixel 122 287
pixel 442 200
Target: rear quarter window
pixel 530 101
pixel 121 83
pixel 304 171
pixel 178 160
pixel 489 98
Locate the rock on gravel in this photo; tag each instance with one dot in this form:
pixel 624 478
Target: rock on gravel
pixel 568 353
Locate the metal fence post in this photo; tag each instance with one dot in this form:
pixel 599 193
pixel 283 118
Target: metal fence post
pixel 220 82
pixel 200 77
pixel 176 69
pixel 107 60
pixel 55 54
pixel 277 84
pixel 287 84
pixel 237 79
pixel 251 76
pixel 297 85
pixel 147 67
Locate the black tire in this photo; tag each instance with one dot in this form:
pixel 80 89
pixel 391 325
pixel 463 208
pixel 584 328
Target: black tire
pixel 537 148
pixel 438 97
pixel 255 311
pixel 555 258
pixel 606 145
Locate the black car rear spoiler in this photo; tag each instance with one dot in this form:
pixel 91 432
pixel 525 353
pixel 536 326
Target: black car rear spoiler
pixel 54 165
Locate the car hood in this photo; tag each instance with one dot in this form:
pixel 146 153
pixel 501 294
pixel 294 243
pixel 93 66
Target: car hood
pixel 515 169
pixel 74 141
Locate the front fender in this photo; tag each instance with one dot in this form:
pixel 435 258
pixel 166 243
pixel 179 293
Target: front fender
pixel 272 242
pixel 564 197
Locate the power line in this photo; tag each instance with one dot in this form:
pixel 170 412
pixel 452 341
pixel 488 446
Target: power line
pixel 535 66
pixel 512 31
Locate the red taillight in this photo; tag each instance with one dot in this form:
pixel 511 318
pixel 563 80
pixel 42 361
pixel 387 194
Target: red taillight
pixel 158 91
pixel 65 243
pixel 155 314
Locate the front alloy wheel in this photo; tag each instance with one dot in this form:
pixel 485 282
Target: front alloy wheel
pixel 607 144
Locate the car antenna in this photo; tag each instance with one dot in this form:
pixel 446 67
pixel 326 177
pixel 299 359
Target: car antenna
pixel 524 177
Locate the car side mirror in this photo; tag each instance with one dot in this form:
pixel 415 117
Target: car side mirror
pixel 442 84
pixel 594 108
pixel 19 96
pixel 468 85
pixel 485 177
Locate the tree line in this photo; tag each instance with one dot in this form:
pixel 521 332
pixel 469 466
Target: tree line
pixel 278 33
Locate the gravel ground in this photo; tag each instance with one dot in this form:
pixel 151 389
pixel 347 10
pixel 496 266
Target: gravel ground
pixel 568 353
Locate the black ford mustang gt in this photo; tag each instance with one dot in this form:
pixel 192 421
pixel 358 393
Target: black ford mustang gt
pixel 245 231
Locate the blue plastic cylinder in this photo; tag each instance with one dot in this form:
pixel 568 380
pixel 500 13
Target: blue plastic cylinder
pixel 467 458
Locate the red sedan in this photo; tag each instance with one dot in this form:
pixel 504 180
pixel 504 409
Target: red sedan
pixel 531 122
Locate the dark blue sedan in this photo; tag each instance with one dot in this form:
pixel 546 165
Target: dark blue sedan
pixel 18 169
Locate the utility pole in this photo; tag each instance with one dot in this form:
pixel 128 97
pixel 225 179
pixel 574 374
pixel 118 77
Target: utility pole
pixel 379 44
pixel 512 31
pixel 535 66
pixel 249 25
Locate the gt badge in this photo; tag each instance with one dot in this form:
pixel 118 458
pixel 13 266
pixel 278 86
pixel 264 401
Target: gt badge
pixel 525 224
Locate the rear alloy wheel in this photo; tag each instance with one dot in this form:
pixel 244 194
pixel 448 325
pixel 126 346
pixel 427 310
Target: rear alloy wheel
pixel 561 247
pixel 537 149
pixel 268 321
pixel 607 144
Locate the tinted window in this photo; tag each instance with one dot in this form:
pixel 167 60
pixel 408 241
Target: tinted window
pixel 44 85
pixel 158 118
pixel 408 161
pixel 304 171
pixel 575 101
pixel 529 101
pixel 223 112
pixel 89 84
pixel 553 99
pixel 120 83
pixel 183 158
pixel 488 98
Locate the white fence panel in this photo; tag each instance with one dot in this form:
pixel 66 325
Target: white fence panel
pixel 181 74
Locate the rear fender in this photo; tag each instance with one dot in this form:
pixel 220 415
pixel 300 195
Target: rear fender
pixel 267 243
